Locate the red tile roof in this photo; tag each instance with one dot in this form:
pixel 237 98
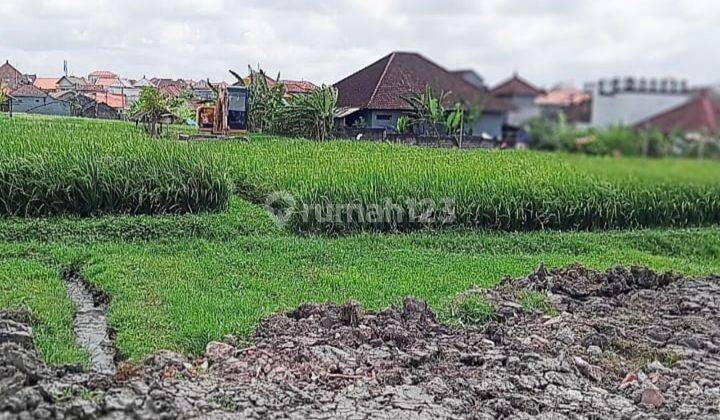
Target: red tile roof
pixel 106 81
pixel 701 113
pixel 48 84
pixel 563 97
pixel 111 99
pixel 103 74
pixel 383 84
pixel 294 87
pixel 27 90
pixel 516 86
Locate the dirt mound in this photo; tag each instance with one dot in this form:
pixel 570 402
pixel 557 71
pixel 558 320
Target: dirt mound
pixel 623 343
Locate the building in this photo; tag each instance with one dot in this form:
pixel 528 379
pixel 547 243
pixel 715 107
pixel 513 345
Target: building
pixel 10 77
pixel 115 101
pixel 376 93
pixel 46 84
pixel 95 76
pixel 298 87
pixel 73 83
pixel 29 99
pixel 83 105
pixel 574 103
pixel 700 115
pixel 629 101
pixel 522 95
pixel 125 88
pixel 472 77
pixel 292 87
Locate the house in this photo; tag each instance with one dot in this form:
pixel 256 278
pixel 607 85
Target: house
pixel 574 103
pixel 472 77
pixel 699 115
pixel 170 88
pixel 144 82
pixel 127 88
pixel 73 83
pixel 106 82
pixel 298 87
pixel 46 84
pixel 522 95
pixel 29 99
pixel 10 77
pixel 115 101
pixel 95 76
pixel 292 87
pixel 375 94
pixel 83 105
pixel 631 100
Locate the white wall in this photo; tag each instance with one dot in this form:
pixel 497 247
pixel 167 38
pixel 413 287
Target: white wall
pixel 628 108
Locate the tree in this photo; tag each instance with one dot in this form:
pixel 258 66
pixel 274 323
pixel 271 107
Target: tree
pixel 428 111
pixel 4 97
pixel 150 108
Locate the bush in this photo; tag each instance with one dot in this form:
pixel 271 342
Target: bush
pixel 107 169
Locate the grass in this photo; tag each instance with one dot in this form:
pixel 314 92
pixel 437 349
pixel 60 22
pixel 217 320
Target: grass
pixel 84 167
pixel 503 190
pixel 180 293
pixel 87 168
pixel 179 281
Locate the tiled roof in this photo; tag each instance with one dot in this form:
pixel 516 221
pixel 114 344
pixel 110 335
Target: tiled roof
pixel 171 90
pixel 103 74
pixel 701 113
pixel 105 82
pixel 298 86
pixel 516 86
pixel 383 84
pixel 27 90
pixel 111 99
pixel 563 97
pixel 46 83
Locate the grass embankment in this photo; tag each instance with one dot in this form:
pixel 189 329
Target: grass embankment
pixel 86 168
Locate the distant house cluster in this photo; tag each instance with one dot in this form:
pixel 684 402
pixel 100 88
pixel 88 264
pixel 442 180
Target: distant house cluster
pixel 375 97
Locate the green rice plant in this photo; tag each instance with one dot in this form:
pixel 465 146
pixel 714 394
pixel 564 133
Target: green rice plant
pixel 496 190
pixel 72 166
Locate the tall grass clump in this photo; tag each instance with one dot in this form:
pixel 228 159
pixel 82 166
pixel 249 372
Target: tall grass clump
pixel 86 168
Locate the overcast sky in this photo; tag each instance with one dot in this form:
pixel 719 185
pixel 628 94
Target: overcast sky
pixel 323 41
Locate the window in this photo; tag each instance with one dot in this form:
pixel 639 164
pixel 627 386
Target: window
pixel 384 117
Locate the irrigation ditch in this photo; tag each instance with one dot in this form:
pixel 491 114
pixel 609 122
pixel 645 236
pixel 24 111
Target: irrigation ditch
pixel 90 325
pixel 625 343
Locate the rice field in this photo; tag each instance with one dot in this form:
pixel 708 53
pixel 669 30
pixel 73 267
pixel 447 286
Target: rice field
pixel 51 166
pixel 499 190
pixel 83 167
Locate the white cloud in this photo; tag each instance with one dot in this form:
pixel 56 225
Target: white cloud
pixel 325 40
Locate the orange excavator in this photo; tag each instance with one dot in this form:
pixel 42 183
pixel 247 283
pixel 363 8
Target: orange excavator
pixel 229 115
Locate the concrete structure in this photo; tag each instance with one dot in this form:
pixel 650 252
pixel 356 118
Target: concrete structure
pixel 630 100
